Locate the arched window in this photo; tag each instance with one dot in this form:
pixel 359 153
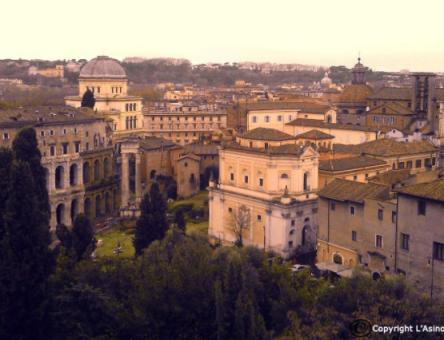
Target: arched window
pixel 108 203
pixel 306 185
pixel 135 107
pixel 98 206
pixel 337 258
pixel 86 172
pixel 292 232
pixel 328 119
pixel 304 235
pixel 87 207
pixel 106 168
pixel 74 209
pixel 60 213
pixel 284 181
pixel 96 170
pixel 59 177
pixel 73 174
pixel 126 107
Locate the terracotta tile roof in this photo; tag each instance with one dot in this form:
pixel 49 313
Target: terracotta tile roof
pixel 308 107
pixel 46 115
pixel 316 123
pixel 387 148
pixel 343 164
pixel 286 149
pixel 267 134
pixel 391 109
pixel 315 135
pixel 432 190
pixel 355 93
pixel 201 149
pixel 397 93
pixel 351 191
pixel 391 177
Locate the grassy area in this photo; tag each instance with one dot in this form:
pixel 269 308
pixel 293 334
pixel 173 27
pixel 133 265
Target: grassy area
pixel 198 201
pixel 198 228
pixel 111 238
pixel 124 233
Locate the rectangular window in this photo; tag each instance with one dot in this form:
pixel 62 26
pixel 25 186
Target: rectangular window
pixel 405 238
pixel 259 217
pixel 401 165
pixel 418 163
pixel 438 251
pixel 5 136
pixel 380 214
pixel 77 147
pixel 332 205
pixel 393 216
pixel 409 164
pixel 352 210
pixel 378 241
pixel 232 177
pixel 64 148
pixel 261 182
pixel 354 235
pixel 290 244
pixel 42 133
pixel 421 207
pixel 230 210
pixel 279 118
pixel 52 150
pixel 246 179
pixel 293 223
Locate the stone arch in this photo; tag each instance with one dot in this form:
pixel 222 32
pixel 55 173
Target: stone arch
pixel 106 167
pixel 86 173
pixel 87 207
pixel 98 206
pixel 74 209
pixel 337 258
pixel 96 170
pixel 60 177
pixel 108 203
pixel 60 213
pixel 73 175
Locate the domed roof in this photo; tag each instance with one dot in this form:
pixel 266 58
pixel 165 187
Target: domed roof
pixel 326 81
pixel 103 67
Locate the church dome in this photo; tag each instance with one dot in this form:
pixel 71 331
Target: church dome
pixel 103 67
pixel 326 81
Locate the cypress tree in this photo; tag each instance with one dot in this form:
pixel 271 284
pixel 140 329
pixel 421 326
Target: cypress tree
pixel 179 219
pixel 152 223
pixel 88 99
pixel 83 240
pixel 5 164
pixel 25 148
pixel 25 259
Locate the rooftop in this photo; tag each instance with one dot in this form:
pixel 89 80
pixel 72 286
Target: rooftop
pixel 46 115
pixel 267 134
pixel 387 148
pixel 343 164
pixel 315 135
pixel 397 93
pixel 103 67
pixel 282 150
pixel 321 124
pixel 309 107
pixel 355 93
pixel 351 191
pixel 432 190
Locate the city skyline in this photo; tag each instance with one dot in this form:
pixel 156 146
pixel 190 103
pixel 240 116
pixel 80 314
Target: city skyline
pixel 316 33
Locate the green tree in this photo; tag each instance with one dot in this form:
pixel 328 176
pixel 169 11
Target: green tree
pixel 179 219
pixel 25 259
pixel 88 99
pixel 152 223
pixel 5 164
pixel 83 240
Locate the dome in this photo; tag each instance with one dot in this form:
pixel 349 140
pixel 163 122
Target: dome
pixel 326 81
pixel 103 67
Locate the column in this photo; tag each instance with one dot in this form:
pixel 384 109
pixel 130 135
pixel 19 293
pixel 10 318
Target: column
pixel 138 180
pixel 124 185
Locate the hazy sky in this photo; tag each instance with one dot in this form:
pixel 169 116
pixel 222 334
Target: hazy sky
pixel 390 34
